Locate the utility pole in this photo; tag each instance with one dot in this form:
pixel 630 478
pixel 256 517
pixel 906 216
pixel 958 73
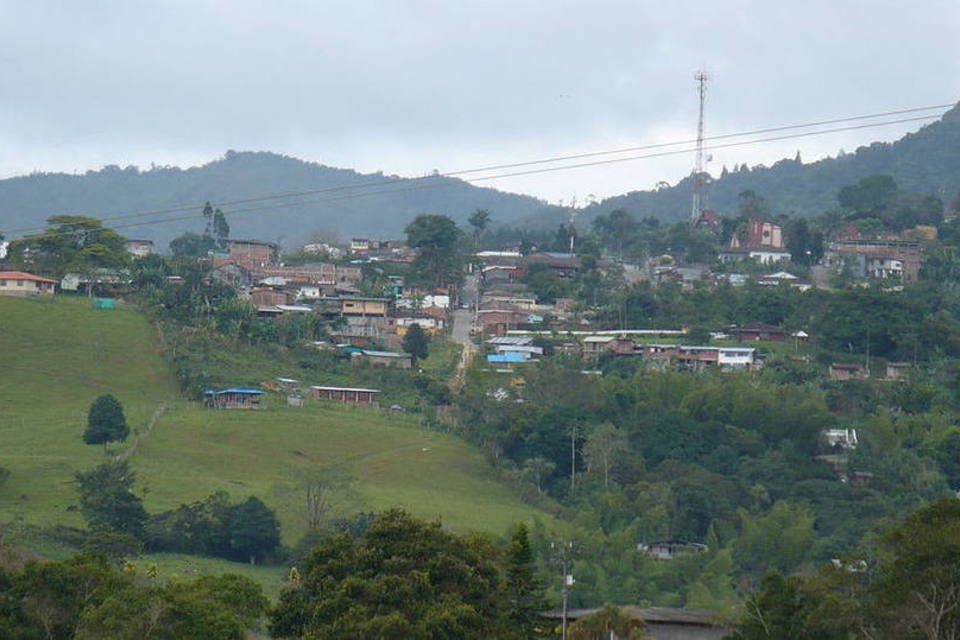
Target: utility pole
pixel 573 458
pixel 563 556
pixel 698 182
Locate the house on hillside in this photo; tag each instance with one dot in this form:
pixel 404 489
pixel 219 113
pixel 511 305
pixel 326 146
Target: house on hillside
pixel 763 243
pixel 755 331
pixel 20 283
pixel 848 371
pixel 383 359
pixel 898 371
pixel 349 395
pixel 138 248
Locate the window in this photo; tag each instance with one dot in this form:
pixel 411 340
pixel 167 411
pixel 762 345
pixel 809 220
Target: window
pixel 3 283
pixel 19 283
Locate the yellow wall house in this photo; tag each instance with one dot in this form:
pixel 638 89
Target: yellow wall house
pixel 364 306
pixel 19 283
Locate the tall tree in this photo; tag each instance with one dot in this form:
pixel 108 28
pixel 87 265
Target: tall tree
pixel 602 447
pixel 105 421
pixel 436 238
pixel 404 578
pixel 107 500
pixel 70 243
pixel 523 589
pixel 254 531
pixel 416 343
pixel 479 220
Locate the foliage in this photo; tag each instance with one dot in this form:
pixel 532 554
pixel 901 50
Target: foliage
pixel 245 531
pixel 254 532
pixel 416 342
pixel 436 238
pixel 403 578
pixel 86 599
pixel 107 500
pixel 524 592
pixel 105 421
pixel 905 587
pixel 70 243
pixel 609 622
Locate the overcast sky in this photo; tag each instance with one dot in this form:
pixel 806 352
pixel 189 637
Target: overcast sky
pixel 408 87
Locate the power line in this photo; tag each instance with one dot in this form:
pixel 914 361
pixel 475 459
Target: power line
pixel 531 172
pixel 367 185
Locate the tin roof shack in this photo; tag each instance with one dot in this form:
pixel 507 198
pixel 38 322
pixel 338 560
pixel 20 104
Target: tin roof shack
pixel 670 549
pixel 595 345
pixel 349 395
pixel 383 359
pixel 756 331
pixel 20 283
pixel 848 371
pixel 234 398
pixel 564 265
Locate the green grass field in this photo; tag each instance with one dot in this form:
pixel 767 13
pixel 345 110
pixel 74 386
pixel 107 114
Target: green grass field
pixel 60 355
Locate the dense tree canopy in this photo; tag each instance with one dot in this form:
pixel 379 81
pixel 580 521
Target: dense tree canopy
pixel 403 578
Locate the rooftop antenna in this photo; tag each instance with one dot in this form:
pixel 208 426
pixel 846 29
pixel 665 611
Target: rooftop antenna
pixel 698 182
pixel 571 229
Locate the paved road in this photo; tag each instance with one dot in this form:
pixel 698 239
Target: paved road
pixel 462 321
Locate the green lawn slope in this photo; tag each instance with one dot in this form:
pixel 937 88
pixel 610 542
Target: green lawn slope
pixel 60 355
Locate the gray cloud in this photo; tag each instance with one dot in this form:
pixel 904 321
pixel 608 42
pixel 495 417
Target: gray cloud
pixel 410 86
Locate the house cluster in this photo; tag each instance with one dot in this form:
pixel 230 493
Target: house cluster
pixel 519 348
pixel 894 371
pixel 891 257
pixel 277 290
pixel 252 397
pixel 506 305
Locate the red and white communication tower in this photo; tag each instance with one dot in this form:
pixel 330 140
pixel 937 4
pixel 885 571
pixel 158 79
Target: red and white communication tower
pixel 699 178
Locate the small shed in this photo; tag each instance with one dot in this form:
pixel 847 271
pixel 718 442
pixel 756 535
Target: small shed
pixel 898 370
pixel 104 303
pixel 234 398
pixel 351 395
pixel 848 371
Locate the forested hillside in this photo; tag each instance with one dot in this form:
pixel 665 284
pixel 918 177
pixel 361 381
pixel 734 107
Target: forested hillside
pixel 28 201
pixel 927 161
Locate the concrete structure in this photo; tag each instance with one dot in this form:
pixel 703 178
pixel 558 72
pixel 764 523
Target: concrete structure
pixel 845 438
pixel 898 370
pixel 884 259
pixel 138 248
pixel 252 253
pixel 349 395
pixel 848 371
pixel 356 306
pixel 20 283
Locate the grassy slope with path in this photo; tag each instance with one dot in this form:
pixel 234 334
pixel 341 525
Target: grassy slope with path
pixel 60 355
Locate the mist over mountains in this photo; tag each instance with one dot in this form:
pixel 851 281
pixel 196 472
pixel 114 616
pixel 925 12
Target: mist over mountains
pixel 382 212
pixel 926 161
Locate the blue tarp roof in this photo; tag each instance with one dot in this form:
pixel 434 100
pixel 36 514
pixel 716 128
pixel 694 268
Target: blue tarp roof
pixel 510 356
pixel 211 392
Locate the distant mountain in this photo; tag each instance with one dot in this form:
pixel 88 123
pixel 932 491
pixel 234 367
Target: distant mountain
pixel 28 200
pixel 927 161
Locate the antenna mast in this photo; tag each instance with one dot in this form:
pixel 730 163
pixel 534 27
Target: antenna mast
pixel 573 214
pixel 698 182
